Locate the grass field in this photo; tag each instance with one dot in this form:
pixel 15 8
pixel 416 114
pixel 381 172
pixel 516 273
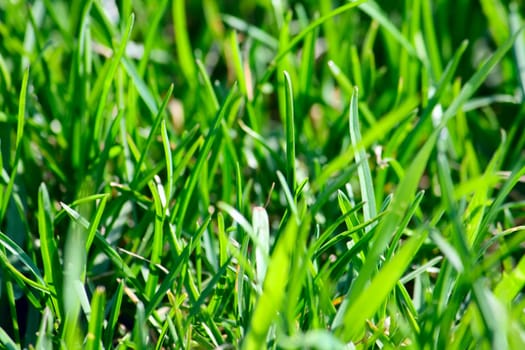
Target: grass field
pixel 262 174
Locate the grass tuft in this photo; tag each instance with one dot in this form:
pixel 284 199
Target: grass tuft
pixel 277 175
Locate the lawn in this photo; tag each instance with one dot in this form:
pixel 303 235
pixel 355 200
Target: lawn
pixel 262 174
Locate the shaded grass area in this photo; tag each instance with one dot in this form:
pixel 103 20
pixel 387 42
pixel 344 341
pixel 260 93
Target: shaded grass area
pixel 262 175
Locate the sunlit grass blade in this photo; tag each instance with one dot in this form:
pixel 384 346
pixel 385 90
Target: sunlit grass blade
pixel 290 132
pixel 363 169
pixel 141 86
pixel 6 340
pixel 512 283
pixel 516 22
pixel 101 243
pixel 277 206
pixel 19 135
pixel 253 31
pixel 476 209
pixel 366 304
pixel 96 320
pixel 274 287
pixel 387 123
pixel 386 227
pixel 44 339
pixel 49 249
pixel 238 65
pixel 287 193
pixel 431 41
pixel 343 81
pixel 497 19
pixel 159 203
pixel 262 251
pixel 212 97
pixel 242 222
pixel 140 335
pixel 184 52
pixel 414 206
pixel 517 173
pixel 96 221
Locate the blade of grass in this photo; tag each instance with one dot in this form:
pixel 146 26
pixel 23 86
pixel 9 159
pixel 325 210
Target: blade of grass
pixel 270 301
pixel 478 78
pixel 402 198
pixel 140 334
pixel 519 45
pixel 17 252
pixel 363 169
pixel 238 65
pixel 116 59
pixel 96 320
pixel 19 135
pixel 431 41
pixel 405 191
pixel 208 86
pixel 157 245
pixel 442 85
pixel 113 314
pixel 6 340
pixel 372 9
pixel 49 250
pixel 141 86
pixel 179 213
pixel 102 244
pixel 366 304
pixel 261 228
pixel 290 133
pixel 297 39
pixel 44 339
pixel 253 31
pixel 153 132
pixel 152 34
pixel 95 223
pixel 387 122
pixel 182 40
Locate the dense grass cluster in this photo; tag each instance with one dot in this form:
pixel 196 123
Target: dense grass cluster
pixel 262 174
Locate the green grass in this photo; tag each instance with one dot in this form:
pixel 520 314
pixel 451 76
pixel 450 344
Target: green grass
pixel 272 174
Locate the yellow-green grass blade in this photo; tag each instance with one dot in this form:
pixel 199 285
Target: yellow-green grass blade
pixel 182 40
pixel 361 158
pixel 290 132
pixel 274 288
pixel 366 304
pixel 96 320
pixel 261 228
pixel 49 249
pixel 21 116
